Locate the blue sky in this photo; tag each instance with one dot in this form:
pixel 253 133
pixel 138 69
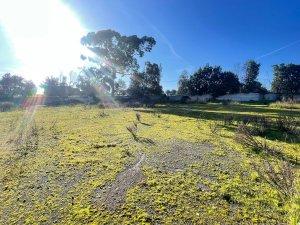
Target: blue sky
pixel 190 34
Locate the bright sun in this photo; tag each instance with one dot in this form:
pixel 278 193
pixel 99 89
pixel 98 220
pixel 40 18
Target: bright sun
pixel 44 34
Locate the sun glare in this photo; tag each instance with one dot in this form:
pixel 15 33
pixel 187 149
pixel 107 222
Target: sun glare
pixel 45 36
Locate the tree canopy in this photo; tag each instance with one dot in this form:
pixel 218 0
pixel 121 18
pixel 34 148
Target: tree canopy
pixel 146 83
pixel 250 80
pixel 212 80
pixel 55 87
pixel 118 53
pixel 13 86
pixel 286 79
pixel 184 83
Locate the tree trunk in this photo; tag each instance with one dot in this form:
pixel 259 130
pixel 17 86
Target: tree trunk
pixel 114 76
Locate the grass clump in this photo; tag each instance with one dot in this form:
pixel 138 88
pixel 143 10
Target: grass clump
pixel 285 105
pixel 214 128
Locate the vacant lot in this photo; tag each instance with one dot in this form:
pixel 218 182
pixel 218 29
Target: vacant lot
pixel 173 164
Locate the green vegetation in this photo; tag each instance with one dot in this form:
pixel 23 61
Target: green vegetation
pixel 285 105
pixel 172 164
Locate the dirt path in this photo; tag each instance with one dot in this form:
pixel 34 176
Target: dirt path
pixel 113 194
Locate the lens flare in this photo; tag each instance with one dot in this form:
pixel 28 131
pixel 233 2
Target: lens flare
pixel 45 36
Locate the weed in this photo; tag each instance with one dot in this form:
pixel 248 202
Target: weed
pixel 214 128
pixel 287 124
pixel 138 116
pixel 246 120
pixel 28 140
pixel 280 177
pixel 102 114
pixel 126 153
pixel 260 125
pixel 243 136
pixel 228 119
pixel 133 130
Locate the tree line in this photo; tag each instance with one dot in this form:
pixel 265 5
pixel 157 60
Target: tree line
pixel 113 56
pixel 212 80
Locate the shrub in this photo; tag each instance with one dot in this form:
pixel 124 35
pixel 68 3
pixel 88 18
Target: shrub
pixel 287 124
pixel 246 120
pixel 244 136
pixel 280 177
pixel 260 125
pixel 6 106
pixel 228 119
pixel 225 102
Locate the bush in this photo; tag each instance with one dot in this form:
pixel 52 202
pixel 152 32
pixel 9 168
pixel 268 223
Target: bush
pixel 246 120
pixel 6 106
pixel 225 102
pixel 260 125
pixel 228 119
pixel 244 136
pixel 287 124
pixel 280 177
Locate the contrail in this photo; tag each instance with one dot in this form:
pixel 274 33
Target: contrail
pixel 279 49
pixel 156 30
pixel 163 38
pixel 166 40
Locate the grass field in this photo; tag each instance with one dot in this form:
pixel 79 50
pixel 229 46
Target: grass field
pixel 181 165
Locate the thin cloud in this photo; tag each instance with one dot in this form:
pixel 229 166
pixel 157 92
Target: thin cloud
pixel 277 50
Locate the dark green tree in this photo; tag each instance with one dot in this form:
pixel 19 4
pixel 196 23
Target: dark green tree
pixel 13 86
pixel 286 79
pixel 121 88
pixel 212 80
pixel 171 92
pixel 184 83
pixel 229 83
pixel 116 52
pixel 251 84
pixel 58 87
pixel 146 83
pixel 94 81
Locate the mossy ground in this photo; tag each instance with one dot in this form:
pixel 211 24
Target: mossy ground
pixel 78 150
